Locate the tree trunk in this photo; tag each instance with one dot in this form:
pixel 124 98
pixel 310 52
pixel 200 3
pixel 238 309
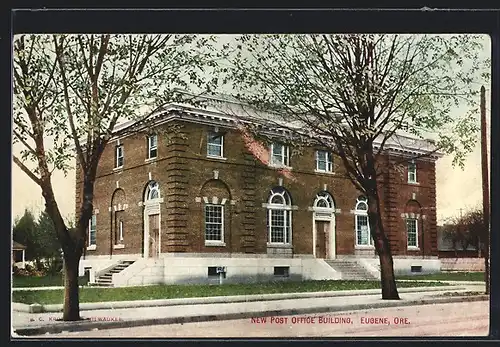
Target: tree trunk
pixel 387 278
pixel 71 289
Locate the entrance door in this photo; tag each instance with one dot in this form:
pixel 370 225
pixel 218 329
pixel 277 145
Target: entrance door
pixel 322 239
pixel 154 230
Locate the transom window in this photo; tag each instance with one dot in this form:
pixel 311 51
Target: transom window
pixel 412 172
pixel 119 156
pixel 412 232
pixel 214 222
pixel 153 191
pixel 92 230
pixel 324 200
pixel 279 218
pixel 324 162
pixel 215 145
pixel 280 154
pixel 152 146
pixel 362 225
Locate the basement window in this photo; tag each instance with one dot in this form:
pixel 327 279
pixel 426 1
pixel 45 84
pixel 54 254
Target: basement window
pixel 282 271
pixel 415 268
pixel 212 271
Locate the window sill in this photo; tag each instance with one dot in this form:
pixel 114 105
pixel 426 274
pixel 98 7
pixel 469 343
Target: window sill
pixel 364 247
pixel 215 244
pixel 119 168
pixel 414 183
pixel 216 157
pixel 324 172
pixel 150 160
pixel 91 248
pixel 278 245
pixel 119 246
pixel 413 248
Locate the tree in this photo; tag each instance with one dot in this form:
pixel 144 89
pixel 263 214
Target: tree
pixel 352 94
pixel 69 93
pixel 24 232
pixel 47 237
pixel 467 230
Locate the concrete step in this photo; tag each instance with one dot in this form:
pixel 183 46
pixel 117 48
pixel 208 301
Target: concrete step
pixel 350 270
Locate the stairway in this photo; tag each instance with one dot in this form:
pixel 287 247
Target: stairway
pixel 350 270
pixel 106 279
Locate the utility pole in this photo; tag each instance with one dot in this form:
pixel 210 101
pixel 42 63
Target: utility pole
pixel 486 190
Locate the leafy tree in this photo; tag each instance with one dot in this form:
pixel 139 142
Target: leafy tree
pixel 24 232
pixel 47 237
pixel 354 94
pixel 69 93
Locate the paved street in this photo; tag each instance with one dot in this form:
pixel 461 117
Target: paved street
pixel 454 319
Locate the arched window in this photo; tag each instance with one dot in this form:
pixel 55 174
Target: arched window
pixel 153 191
pixel 324 200
pixel 363 237
pixel 279 216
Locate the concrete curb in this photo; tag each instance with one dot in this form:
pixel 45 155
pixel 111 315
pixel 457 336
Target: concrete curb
pixel 92 325
pixel 110 305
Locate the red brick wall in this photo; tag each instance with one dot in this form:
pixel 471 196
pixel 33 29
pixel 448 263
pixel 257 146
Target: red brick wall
pixel 183 170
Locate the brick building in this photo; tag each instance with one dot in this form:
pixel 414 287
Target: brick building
pixel 187 202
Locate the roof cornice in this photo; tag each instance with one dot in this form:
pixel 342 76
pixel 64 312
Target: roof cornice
pixel 398 144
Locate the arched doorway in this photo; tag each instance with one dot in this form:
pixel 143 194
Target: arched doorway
pixel 324 226
pixel 152 220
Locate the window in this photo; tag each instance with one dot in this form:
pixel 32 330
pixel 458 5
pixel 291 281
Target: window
pixel 215 145
pixel 412 172
pixel 212 271
pixel 324 161
pixel 412 232
pixel 153 191
pixel 120 231
pixel 152 146
pixel 280 155
pixel 324 200
pixel 118 228
pixel 363 237
pixel 282 271
pixel 279 218
pixel 119 156
pixel 416 268
pixel 92 232
pixel 214 223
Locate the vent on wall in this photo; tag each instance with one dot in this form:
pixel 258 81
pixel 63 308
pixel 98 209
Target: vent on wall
pixel 282 271
pixel 415 268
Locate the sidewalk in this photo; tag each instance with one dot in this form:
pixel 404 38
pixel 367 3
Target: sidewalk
pixel 41 323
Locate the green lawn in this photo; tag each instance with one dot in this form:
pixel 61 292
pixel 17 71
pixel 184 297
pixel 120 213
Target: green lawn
pixel 446 276
pixel 44 281
pixel 90 294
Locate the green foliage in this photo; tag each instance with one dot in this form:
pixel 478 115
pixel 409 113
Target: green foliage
pixel 446 276
pixel 50 280
pixel 39 237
